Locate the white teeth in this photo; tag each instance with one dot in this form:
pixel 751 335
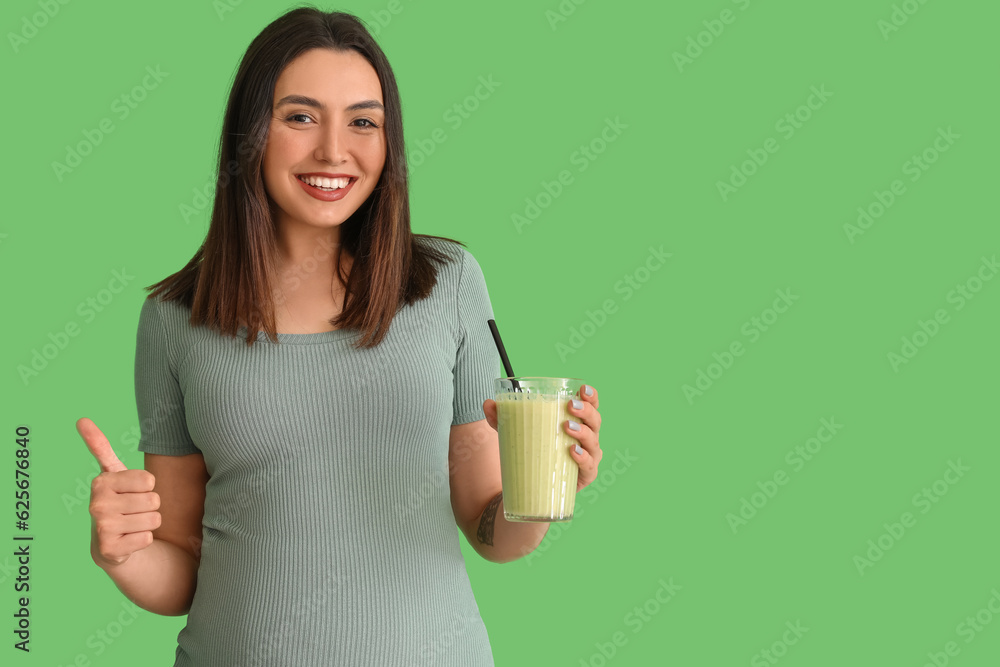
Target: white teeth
pixel 325 183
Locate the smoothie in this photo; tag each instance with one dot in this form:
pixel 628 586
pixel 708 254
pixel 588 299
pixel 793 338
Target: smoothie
pixel 538 474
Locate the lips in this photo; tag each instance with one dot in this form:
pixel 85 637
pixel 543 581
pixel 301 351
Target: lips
pixel 317 190
pixel 324 181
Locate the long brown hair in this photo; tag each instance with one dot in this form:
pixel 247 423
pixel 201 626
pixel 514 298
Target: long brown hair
pixel 231 278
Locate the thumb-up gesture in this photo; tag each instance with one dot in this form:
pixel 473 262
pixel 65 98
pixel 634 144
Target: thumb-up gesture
pixel 123 505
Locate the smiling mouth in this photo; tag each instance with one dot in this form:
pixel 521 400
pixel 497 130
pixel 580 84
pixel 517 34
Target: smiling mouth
pixel 327 184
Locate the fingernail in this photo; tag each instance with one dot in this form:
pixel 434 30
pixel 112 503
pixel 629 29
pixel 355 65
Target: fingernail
pixel 589 391
pixel 577 405
pixel 574 426
pixel 579 450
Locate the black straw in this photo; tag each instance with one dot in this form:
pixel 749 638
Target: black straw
pixel 503 354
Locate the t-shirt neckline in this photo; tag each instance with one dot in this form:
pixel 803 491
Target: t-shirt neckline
pixel 302 338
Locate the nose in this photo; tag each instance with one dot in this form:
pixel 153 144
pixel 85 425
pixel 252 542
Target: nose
pixel 332 146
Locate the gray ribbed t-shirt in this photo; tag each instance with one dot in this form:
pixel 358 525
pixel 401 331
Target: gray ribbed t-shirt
pixel 328 533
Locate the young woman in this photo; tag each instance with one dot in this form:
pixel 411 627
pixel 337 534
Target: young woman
pixel 296 384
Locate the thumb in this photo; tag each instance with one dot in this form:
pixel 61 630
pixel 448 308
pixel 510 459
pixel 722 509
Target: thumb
pixel 490 411
pixel 99 446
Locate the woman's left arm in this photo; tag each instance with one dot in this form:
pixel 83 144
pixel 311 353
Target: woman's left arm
pixel 474 473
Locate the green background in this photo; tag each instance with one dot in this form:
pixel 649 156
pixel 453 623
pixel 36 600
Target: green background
pixel 693 458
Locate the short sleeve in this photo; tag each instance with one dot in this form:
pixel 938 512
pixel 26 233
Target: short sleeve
pixel 158 397
pixel 477 363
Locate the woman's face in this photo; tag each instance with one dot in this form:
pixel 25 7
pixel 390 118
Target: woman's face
pixel 327 122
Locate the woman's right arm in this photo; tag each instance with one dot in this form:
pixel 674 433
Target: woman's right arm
pixel 146 524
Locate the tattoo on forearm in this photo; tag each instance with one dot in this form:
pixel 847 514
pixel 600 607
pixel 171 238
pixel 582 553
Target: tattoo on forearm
pixel 485 532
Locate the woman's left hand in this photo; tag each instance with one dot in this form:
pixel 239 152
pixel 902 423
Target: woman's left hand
pixel 585 427
pixel 587 420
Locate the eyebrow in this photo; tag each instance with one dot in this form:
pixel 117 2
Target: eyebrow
pixel 316 104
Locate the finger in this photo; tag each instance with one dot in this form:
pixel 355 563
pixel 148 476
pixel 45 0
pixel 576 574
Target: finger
pixel 99 446
pixel 585 436
pixel 587 464
pixel 586 413
pixel 135 541
pixel 126 481
pixel 591 397
pixel 122 548
pixel 490 410
pixel 137 523
pixel 134 503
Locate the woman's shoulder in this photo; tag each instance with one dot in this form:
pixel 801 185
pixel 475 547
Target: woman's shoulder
pixel 450 258
pixel 171 314
pixel 437 245
pixel 165 306
pixel 455 253
pixel 463 267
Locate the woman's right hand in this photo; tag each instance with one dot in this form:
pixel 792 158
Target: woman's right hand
pixel 123 505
